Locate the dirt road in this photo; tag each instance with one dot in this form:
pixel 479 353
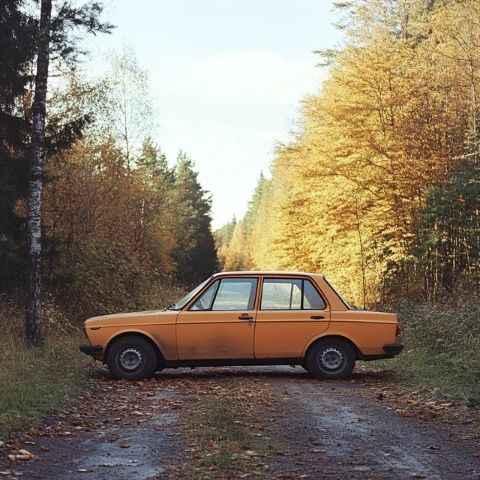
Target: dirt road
pixel 254 422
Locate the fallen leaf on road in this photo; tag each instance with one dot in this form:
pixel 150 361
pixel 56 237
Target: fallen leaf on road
pixel 21 454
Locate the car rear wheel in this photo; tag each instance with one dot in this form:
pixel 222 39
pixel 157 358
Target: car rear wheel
pixel 331 358
pixel 131 358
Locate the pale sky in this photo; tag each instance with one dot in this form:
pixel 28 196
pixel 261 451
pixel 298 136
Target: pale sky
pixel 227 76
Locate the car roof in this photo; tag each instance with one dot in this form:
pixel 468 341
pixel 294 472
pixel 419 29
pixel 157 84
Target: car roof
pixel 265 272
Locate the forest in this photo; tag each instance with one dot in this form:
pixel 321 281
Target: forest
pixel 122 228
pixel 380 187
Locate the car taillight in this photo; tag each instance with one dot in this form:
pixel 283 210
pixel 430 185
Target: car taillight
pixel 398 330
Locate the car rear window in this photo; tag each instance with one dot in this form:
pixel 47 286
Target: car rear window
pixel 290 294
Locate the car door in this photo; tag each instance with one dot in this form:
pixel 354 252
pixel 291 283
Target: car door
pixel 220 322
pixel 292 311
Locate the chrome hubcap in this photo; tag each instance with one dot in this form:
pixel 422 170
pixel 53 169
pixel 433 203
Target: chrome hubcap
pixel 331 358
pixel 130 359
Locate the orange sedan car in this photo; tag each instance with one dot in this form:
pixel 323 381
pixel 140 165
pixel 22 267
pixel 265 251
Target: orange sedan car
pixel 246 318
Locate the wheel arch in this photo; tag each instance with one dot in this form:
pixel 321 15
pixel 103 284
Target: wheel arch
pixel 358 353
pixel 133 333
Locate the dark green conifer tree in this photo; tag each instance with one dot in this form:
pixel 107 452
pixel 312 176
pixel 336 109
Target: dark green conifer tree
pixel 195 254
pixel 17 46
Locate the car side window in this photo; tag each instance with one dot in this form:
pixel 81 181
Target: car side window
pixel 204 302
pixel 235 294
pixel 282 294
pixel 311 298
pixel 290 294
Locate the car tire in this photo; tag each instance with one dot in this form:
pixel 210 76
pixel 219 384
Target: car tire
pixel 331 359
pixel 131 358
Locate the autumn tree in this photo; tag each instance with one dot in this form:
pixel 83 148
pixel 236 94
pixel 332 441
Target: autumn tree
pixel 353 193
pixel 222 237
pixel 235 240
pixel 117 247
pixel 128 114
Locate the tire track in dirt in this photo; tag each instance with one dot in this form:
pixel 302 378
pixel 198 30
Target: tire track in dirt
pixel 119 430
pixel 283 423
pixel 336 432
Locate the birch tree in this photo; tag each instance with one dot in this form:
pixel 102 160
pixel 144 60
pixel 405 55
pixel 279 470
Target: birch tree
pixel 35 183
pixel 54 36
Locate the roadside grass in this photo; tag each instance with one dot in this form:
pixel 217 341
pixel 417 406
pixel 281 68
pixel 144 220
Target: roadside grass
pixel 222 426
pixel 230 440
pixel 437 377
pixel 442 352
pixel 37 381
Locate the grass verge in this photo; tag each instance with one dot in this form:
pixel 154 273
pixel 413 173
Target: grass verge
pixel 36 381
pixel 436 377
pixel 442 352
pixel 222 427
pixel 227 438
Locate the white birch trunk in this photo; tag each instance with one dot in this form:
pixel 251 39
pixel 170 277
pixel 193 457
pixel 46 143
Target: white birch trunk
pixel 35 182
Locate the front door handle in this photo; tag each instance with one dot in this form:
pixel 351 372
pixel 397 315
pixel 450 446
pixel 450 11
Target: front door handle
pixel 317 317
pixel 246 317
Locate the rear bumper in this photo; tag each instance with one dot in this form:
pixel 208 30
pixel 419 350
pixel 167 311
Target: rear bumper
pixel 390 349
pixel 95 351
pixel 393 348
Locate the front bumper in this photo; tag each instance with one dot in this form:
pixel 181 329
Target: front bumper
pixel 393 348
pixel 95 351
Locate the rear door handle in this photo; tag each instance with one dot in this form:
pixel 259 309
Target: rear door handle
pixel 246 317
pixel 317 317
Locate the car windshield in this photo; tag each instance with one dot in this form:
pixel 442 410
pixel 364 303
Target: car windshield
pixel 339 296
pixel 184 300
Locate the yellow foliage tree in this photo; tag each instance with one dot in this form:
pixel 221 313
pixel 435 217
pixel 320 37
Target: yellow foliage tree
pixel 388 125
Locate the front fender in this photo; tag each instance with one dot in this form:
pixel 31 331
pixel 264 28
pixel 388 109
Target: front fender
pixel 111 337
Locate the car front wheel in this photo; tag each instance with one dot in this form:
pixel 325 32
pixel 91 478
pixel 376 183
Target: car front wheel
pixel 331 358
pixel 131 358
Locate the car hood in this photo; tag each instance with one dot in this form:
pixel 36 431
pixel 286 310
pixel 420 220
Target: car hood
pixel 139 318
